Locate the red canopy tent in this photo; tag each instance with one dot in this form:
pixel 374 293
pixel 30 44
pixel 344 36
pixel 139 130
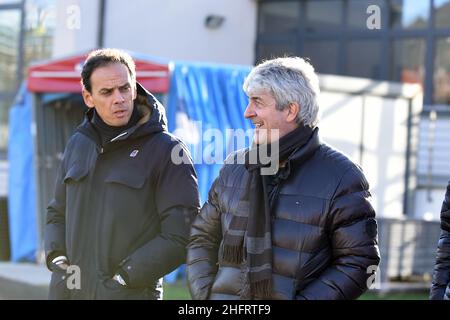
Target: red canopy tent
pixel 63 75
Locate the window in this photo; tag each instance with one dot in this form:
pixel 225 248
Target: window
pixel 409 14
pixel 9 50
pixel 38 35
pixel 408 58
pixel 276 49
pixel 442 13
pixel 325 15
pixel 334 35
pixel 441 94
pixel 363 59
pixel 275 17
pixel 39 30
pixel 323 55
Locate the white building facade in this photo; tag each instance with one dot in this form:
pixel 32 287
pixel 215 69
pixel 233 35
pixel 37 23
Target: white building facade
pixel 190 30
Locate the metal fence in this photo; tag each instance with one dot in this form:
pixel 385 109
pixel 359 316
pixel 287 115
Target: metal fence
pixel 407 247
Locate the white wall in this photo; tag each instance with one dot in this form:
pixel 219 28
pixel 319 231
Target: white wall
pixel 76 26
pixel 170 29
pixel 175 29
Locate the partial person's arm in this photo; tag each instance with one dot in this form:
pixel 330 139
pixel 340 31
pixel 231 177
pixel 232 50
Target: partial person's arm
pixel 440 287
pixel 177 202
pixel 353 237
pixel 55 228
pixel 202 257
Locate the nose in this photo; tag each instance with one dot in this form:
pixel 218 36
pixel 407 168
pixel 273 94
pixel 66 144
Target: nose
pixel 249 111
pixel 118 97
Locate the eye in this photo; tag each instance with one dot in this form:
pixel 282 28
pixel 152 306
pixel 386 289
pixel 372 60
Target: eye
pixel 256 101
pixel 125 88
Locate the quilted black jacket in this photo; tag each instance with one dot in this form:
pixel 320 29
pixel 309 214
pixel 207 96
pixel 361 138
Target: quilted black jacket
pixel 324 233
pixel 440 288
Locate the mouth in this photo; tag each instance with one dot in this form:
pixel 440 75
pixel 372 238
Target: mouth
pixel 258 124
pixel 120 113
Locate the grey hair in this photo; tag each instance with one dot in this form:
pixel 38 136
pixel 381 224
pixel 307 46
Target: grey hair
pixel 288 80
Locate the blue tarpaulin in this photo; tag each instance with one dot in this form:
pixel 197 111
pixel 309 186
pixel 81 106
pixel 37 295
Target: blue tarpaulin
pixel 206 100
pixel 22 184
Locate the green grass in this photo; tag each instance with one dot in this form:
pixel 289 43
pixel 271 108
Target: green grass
pixel 179 291
pixel 395 296
pixel 176 291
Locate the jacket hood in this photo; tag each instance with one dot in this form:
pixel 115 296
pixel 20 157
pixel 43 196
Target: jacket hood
pixel 152 118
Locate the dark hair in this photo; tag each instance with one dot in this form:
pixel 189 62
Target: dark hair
pixel 102 57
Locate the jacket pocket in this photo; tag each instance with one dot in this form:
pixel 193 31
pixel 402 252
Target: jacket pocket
pixel 127 202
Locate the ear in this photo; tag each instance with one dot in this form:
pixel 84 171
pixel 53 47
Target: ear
pixel 87 97
pixel 292 111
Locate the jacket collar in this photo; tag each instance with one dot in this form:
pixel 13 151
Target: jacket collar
pixel 306 151
pixel 302 154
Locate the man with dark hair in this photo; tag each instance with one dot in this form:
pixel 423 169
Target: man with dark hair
pixel 303 230
pixel 122 209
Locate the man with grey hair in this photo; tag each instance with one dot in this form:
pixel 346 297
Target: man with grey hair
pixel 305 231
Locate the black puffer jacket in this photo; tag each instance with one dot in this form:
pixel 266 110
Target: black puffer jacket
pixel 440 288
pixel 125 207
pixel 324 234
